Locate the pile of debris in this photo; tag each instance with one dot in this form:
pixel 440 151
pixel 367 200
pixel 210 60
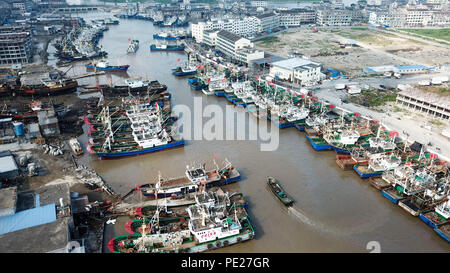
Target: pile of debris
pixel 92 180
pixel 52 150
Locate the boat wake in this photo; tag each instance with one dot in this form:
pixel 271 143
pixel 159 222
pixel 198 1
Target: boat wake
pixel 300 216
pixel 296 212
pixel 305 220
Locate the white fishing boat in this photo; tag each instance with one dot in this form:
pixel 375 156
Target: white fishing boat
pixel 133 46
pixel 419 182
pixel 384 162
pixel 379 142
pixel 317 120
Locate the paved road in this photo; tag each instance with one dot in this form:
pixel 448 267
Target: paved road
pixel 395 121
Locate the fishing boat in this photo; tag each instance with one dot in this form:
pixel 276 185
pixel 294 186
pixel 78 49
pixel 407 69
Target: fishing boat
pixel 180 214
pixel 133 46
pixel 54 84
pixel 170 36
pixel 439 216
pixel 154 47
pixel 195 176
pixel 148 132
pixel 185 70
pixel 211 225
pixel 197 84
pixel 318 143
pixel 104 65
pixel 134 86
pixel 276 189
pixel 407 182
pixel 426 200
pixel 378 183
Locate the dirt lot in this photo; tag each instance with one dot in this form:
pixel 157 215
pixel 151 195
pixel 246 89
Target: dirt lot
pixel 376 49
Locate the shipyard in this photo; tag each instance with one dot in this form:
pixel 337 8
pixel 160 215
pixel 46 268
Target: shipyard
pixel 224 127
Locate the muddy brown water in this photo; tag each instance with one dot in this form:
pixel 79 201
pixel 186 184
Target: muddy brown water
pixel 335 210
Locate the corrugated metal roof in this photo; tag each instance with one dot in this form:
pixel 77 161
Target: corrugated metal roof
pixel 292 63
pixel 410 67
pixel 28 218
pixel 7 164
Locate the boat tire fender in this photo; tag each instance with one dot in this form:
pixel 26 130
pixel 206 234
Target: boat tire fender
pixel 239 239
pixel 226 243
pixel 218 244
pixel 210 246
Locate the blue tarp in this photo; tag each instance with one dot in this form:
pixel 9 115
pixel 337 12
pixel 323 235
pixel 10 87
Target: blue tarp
pixel 28 218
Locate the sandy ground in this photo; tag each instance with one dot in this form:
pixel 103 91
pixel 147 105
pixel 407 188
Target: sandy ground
pixel 375 49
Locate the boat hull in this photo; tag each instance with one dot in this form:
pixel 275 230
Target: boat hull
pixel 111 68
pixel 393 198
pixel 442 234
pixel 69 87
pixel 143 151
pixel 318 147
pixel 174 72
pixel 178 48
pixel 366 175
pixel 156 36
pixel 217 183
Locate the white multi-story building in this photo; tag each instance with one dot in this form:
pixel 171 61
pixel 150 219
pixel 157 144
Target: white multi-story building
pixel 297 70
pixel 237 47
pixel 418 16
pixel 297 17
pixel 268 21
pixel 338 17
pixel 258 4
pixel 210 37
pixel 245 27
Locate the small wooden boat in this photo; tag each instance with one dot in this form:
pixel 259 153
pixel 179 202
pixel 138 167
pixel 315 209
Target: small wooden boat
pixel 279 192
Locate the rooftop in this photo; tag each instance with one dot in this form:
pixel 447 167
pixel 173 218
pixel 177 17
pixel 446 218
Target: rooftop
pixel 268 59
pixel 229 35
pixel 39 239
pixel 429 97
pixel 7 162
pixel 293 63
pixel 265 15
pixel 27 219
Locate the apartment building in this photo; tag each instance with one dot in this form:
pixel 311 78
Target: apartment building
pixel 238 48
pixel 16 45
pixel 339 17
pixel 246 27
pixel 268 21
pixel 297 17
pixel 412 16
pixel 259 4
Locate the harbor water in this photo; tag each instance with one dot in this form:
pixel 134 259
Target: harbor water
pixel 335 210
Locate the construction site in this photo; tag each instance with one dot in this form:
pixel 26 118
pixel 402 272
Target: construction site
pixel 351 50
